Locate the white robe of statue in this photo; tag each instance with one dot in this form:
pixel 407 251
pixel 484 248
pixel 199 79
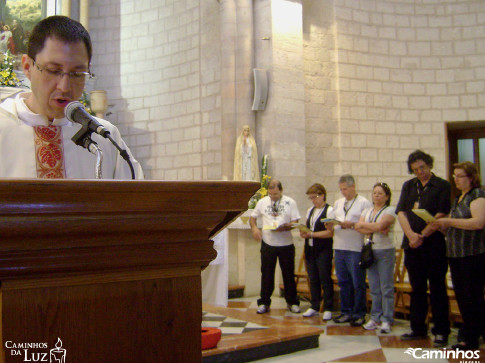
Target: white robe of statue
pixel 246 157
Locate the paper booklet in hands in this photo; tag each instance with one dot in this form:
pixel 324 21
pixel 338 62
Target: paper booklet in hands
pixel 284 227
pixel 424 215
pixel 331 220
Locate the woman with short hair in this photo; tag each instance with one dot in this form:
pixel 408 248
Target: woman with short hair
pixel 319 253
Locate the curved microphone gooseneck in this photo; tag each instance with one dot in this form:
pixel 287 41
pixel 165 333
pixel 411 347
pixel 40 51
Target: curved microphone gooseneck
pixel 75 112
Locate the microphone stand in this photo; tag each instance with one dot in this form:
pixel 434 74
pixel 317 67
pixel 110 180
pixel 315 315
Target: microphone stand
pixel 98 174
pixel 83 138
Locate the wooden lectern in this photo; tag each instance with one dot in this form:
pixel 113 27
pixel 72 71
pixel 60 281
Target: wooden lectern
pixel 108 271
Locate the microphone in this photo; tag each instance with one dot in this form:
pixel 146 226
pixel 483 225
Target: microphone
pixel 75 112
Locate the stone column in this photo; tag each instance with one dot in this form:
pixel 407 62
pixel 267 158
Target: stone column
pixel 66 7
pixel 236 76
pixel 281 126
pixel 84 13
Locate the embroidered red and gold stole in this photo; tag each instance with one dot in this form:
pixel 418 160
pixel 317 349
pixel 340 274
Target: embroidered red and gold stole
pixel 49 152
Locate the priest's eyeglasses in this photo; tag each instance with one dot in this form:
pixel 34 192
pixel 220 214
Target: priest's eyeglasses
pixel 76 77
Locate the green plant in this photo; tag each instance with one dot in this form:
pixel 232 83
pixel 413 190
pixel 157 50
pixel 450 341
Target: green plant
pixel 7 75
pixel 86 103
pixel 263 190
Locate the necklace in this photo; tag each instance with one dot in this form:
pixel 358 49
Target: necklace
pixel 275 208
pixel 315 215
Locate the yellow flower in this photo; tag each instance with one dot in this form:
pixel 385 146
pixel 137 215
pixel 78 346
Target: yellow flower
pixel 7 75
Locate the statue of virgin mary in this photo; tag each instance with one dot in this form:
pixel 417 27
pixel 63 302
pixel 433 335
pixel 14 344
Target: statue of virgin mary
pixel 246 157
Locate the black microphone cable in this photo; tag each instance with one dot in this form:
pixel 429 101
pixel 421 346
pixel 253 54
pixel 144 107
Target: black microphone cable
pixel 124 154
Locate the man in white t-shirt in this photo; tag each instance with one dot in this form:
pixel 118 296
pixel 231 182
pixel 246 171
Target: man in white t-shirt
pixel 347 244
pixel 277 212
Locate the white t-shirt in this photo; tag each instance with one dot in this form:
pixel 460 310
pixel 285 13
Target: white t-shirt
pixel 381 241
pixel 287 212
pixel 348 239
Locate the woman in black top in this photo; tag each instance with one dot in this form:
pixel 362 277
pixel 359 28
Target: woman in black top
pixel 319 253
pixel 465 249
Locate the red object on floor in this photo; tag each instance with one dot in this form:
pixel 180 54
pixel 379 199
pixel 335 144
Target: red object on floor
pixel 210 337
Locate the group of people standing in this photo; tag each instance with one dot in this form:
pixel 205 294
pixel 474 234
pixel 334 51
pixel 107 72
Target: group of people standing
pixel 455 237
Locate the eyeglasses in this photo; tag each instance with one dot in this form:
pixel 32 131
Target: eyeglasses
pixel 313 197
pixel 76 77
pixel 460 176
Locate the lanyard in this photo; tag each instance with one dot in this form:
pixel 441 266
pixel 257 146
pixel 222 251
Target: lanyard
pixel 347 210
pixel 377 215
pixel 375 218
pixel 314 216
pixel 419 191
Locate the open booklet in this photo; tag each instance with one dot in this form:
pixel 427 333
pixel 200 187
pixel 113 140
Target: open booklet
pixel 294 225
pixel 424 215
pixel 330 220
pixel 272 227
pixel 301 227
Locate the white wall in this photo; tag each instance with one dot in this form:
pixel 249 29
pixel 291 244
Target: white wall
pixel 159 62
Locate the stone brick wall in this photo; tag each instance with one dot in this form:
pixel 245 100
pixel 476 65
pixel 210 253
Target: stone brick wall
pixel 282 124
pixel 321 97
pixel 399 70
pixel 158 61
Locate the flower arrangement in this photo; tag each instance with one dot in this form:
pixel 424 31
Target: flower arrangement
pixel 7 75
pixel 263 190
pixel 86 103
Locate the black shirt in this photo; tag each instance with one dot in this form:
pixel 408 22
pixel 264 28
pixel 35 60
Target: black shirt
pixel 434 197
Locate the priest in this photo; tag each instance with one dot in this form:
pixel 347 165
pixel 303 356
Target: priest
pixel 35 136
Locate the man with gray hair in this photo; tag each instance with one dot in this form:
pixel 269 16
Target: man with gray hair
pixel 347 244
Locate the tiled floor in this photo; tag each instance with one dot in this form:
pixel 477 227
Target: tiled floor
pixel 228 325
pixel 337 342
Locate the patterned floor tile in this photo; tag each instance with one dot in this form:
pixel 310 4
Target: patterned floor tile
pixel 228 326
pixel 338 342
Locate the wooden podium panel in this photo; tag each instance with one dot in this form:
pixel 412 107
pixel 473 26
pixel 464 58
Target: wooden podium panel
pixel 111 268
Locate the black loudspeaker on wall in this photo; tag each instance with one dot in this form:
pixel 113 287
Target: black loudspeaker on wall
pixel 260 89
